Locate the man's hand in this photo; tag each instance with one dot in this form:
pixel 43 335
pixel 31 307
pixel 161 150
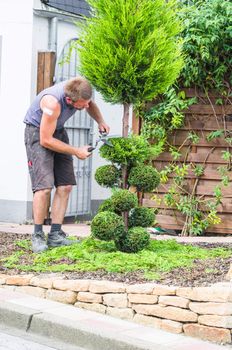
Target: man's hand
pixel 82 152
pixel 103 127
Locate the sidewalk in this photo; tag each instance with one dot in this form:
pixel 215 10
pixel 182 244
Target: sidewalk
pixel 83 230
pixel 87 329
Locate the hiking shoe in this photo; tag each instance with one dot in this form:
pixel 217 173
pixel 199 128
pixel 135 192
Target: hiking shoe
pixel 58 238
pixel 39 242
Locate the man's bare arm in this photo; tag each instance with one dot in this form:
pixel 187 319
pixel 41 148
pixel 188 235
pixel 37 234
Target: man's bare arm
pixel 51 111
pixel 95 113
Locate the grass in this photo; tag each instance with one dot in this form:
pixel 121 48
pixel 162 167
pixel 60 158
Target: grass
pixel 93 255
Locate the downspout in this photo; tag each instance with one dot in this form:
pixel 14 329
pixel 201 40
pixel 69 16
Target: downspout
pixel 52 43
pixel 52 37
pixel 52 46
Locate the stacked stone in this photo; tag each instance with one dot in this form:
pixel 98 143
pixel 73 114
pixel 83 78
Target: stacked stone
pixel 202 312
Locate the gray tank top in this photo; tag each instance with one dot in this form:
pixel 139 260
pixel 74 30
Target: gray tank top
pixel 34 113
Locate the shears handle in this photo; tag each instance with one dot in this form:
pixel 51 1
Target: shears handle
pixel 90 149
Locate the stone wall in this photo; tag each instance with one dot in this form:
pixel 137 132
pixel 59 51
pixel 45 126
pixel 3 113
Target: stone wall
pixel 202 312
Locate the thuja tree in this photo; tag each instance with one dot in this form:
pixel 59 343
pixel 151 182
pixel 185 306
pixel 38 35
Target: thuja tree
pixel 130 53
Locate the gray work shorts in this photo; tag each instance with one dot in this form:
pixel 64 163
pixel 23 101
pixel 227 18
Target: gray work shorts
pixel 47 168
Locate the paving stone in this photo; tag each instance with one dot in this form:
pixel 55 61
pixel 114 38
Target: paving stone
pixel 210 308
pixel 172 326
pixel 19 280
pixel 147 320
pixel 145 288
pixel 216 321
pixel 67 297
pixel 116 300
pixel 123 313
pixel 88 297
pixel 168 312
pixel 106 287
pixel 213 334
pixel 92 307
pixel 74 285
pixel 214 293
pixel 174 301
pixel 142 298
pixel 41 282
pixel 160 289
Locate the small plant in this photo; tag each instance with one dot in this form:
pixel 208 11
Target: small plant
pixel 143 217
pixel 107 205
pixel 144 177
pixel 127 151
pixel 107 176
pixel 137 239
pixel 124 200
pixel 107 225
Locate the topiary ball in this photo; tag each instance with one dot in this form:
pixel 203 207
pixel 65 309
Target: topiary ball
pixel 107 205
pixel 136 239
pixel 127 150
pixel 107 225
pixel 124 200
pixel 107 175
pixel 144 177
pixel 143 217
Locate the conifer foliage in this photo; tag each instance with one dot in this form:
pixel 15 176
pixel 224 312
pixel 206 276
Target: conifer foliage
pixel 129 49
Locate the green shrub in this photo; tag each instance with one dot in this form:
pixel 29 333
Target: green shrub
pixel 143 217
pixel 107 205
pixel 127 151
pixel 107 175
pixel 124 200
pixel 136 239
pixel 107 225
pixel 129 49
pixel 144 177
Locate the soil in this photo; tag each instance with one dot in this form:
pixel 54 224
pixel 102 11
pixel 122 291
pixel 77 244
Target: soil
pixel 203 272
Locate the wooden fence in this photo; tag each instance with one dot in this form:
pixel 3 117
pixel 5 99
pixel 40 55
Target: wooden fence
pixel 202 118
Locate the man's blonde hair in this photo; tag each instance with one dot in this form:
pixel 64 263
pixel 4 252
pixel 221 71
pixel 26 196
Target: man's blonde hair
pixel 78 88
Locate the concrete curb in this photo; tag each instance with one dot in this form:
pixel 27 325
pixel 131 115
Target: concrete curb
pixel 65 330
pixel 87 329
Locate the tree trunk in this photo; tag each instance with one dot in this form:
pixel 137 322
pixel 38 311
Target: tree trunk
pixel 125 129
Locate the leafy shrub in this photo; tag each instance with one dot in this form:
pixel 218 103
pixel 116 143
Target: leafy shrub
pixel 136 239
pixel 107 205
pixel 107 225
pixel 124 200
pixel 107 175
pixel 207 44
pixel 142 217
pixel 129 50
pixel 144 177
pixel 127 151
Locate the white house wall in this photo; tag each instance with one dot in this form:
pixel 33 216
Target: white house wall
pixel 22 35
pixel 16 20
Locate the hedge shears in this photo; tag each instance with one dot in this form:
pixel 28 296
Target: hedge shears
pixel 103 137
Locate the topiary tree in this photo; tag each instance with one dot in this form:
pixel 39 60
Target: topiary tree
pixel 130 53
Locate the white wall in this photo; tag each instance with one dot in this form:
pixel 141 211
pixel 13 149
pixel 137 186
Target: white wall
pixel 16 19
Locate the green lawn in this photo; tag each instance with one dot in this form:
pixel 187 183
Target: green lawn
pixel 93 255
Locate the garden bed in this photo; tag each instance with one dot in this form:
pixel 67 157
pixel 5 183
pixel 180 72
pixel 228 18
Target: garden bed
pixel 166 262
pixel 189 294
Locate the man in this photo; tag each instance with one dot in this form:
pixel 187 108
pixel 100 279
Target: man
pixel 49 154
